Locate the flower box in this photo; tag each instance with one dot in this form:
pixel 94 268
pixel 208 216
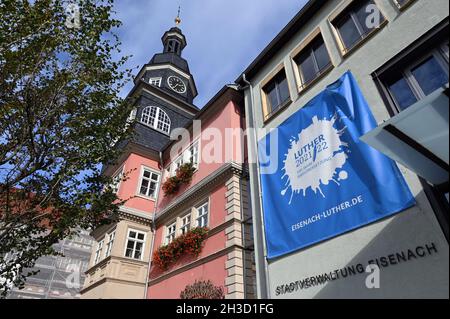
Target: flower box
pixel 189 243
pixel 183 176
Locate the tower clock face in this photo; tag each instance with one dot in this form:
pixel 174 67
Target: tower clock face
pixel 176 84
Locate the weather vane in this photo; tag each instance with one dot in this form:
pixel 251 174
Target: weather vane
pixel 178 19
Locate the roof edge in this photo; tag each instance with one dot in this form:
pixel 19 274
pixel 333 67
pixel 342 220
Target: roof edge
pixel 300 19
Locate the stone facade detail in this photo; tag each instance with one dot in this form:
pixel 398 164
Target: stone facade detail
pixel 240 264
pixel 117 276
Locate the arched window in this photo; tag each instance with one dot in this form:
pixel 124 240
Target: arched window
pixel 156 118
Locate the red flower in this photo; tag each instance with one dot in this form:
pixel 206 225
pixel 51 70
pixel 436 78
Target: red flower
pixel 183 176
pixel 184 173
pixel 189 243
pixel 171 185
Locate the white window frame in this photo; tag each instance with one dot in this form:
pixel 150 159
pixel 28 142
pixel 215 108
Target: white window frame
pixel 199 217
pixel 185 157
pixel 186 223
pixel 111 236
pixel 135 240
pixel 171 232
pixel 175 164
pixel 178 163
pixel 194 159
pixel 155 81
pixel 141 178
pixel 98 252
pixel 155 118
pixel 117 175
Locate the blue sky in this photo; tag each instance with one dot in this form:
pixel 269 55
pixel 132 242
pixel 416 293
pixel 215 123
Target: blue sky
pixel 224 36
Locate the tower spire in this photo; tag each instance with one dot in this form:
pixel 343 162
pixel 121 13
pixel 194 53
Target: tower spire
pixel 178 19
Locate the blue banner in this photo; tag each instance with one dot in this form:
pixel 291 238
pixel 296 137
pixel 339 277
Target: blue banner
pixel 318 179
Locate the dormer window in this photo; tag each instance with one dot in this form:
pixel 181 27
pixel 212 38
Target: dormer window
pixel 173 46
pixel 156 118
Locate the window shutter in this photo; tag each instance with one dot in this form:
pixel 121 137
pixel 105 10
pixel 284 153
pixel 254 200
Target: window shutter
pixel 172 169
pixel 178 224
pixel 186 155
pixel 194 216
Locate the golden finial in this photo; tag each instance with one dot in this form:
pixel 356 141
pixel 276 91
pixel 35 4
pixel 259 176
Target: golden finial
pixel 178 19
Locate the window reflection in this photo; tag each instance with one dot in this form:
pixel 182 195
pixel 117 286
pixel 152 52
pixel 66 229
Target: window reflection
pixel 402 93
pixel 430 75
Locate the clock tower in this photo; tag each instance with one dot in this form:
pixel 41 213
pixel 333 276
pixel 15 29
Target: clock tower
pixel 169 70
pixel 163 94
pixel 166 92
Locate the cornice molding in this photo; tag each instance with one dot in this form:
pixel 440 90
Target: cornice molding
pixel 150 67
pixel 176 34
pixel 125 213
pixel 135 215
pixel 166 97
pixel 109 279
pixel 225 171
pixel 195 263
pixel 100 264
pixel 104 261
pixel 130 147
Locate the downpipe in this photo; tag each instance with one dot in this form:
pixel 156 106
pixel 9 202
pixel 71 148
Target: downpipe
pixel 153 230
pixel 260 248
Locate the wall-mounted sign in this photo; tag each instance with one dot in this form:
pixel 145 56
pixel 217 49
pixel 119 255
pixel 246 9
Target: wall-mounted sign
pixel 318 179
pixel 399 257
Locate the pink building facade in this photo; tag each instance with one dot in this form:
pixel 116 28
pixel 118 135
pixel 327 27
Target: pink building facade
pixel 216 198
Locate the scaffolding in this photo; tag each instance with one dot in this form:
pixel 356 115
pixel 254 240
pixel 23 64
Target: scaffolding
pixel 59 277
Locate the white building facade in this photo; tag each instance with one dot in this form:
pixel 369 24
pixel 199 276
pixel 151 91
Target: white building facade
pixel 397 61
